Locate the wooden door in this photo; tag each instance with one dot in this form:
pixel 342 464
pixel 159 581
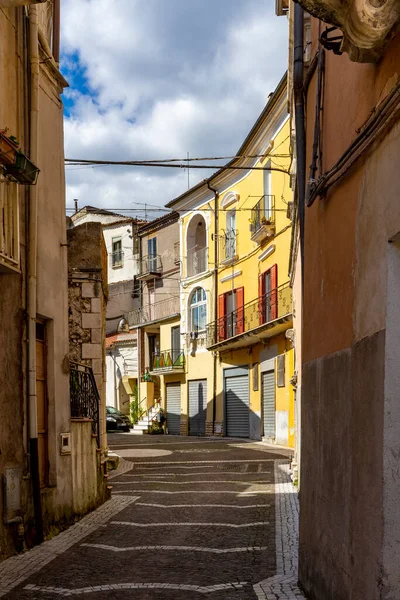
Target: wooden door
pixel 42 405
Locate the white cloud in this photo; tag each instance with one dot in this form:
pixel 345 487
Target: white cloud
pixel 165 77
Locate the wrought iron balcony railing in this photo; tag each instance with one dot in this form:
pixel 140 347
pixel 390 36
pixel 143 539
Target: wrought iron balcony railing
pixel 262 219
pixel 150 266
pixel 197 261
pixel 229 242
pixel 262 311
pixel 117 259
pixel 84 396
pixel 154 312
pixel 168 360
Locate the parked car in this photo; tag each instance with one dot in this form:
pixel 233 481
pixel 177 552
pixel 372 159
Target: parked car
pixel 116 420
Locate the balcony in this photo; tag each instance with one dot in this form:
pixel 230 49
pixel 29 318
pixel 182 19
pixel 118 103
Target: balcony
pixel 155 312
pixel 150 267
pixel 197 261
pixel 84 396
pixel 117 259
pixel 264 317
pixel 262 220
pixel 168 361
pixel 229 242
pixel 9 227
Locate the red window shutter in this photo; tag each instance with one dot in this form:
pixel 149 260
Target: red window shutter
pixel 221 318
pixel 239 310
pixel 274 292
pixel 261 298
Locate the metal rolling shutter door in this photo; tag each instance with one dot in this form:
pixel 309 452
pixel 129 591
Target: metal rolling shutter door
pixel 197 406
pixel 237 406
pixel 268 399
pixel 173 408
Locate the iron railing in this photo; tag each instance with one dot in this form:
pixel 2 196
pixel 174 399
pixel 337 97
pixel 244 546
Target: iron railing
pixel 262 213
pixel 154 312
pixel 229 245
pixel 117 258
pixel 150 265
pixel 197 261
pixel 84 396
pixel 168 359
pixel 261 311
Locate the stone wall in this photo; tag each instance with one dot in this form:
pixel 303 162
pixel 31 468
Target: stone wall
pixel 87 297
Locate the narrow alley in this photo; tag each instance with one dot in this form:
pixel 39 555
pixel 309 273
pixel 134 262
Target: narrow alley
pixel 186 517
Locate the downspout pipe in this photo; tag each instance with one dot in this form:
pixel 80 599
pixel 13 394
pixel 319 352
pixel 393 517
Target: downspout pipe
pixel 32 270
pixel 216 260
pixel 298 87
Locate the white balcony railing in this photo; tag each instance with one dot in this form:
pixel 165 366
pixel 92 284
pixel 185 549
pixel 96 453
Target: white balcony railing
pixel 196 261
pixel 154 312
pixel 9 225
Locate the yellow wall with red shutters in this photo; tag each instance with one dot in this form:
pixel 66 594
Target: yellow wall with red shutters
pixel 244 273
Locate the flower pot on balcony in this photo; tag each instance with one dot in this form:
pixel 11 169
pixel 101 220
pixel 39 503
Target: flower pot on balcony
pixel 8 150
pixel 23 170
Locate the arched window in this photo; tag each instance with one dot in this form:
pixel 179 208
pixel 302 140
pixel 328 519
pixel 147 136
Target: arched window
pixel 196 242
pixel 198 310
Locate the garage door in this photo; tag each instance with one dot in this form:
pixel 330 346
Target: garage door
pixel 173 408
pixel 268 402
pixel 197 406
pixel 237 403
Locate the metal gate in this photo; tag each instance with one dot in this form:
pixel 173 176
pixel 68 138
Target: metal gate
pixel 268 403
pixel 237 403
pixel 197 406
pixel 173 408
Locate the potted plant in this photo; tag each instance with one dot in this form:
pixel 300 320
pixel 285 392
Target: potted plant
pixel 265 221
pixel 23 170
pixel 8 148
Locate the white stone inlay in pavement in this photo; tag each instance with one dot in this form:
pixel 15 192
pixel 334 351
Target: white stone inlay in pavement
pixel 17 569
pixel 219 492
pixel 233 525
pixel 202 462
pixel 143 452
pixel 179 466
pixel 166 476
pixel 283 585
pixel 247 506
pixel 135 586
pixel 181 548
pixel 221 481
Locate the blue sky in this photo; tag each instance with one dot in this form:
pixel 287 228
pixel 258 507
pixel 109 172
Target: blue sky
pixel 160 78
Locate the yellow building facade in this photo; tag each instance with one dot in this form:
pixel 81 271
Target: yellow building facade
pixel 236 304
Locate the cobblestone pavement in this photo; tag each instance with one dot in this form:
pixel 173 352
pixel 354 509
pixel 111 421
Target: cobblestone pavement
pixel 189 517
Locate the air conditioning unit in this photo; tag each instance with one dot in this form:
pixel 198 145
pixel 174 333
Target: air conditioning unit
pixel 16 3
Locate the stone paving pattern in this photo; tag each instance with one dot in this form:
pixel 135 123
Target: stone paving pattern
pixel 188 517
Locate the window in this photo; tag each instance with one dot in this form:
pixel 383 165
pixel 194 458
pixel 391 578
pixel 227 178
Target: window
pixel 230 235
pixel 117 254
pixel 267 295
pixel 267 212
pixel 152 254
pixel 198 310
pixel 231 314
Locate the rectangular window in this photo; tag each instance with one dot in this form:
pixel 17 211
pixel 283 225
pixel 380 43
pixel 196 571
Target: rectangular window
pixel 152 254
pixel 117 254
pixel 231 314
pixel 230 235
pixel 267 209
pixel 268 295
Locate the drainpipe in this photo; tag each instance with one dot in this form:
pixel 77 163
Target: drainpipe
pixel 298 87
pixel 32 270
pixel 216 229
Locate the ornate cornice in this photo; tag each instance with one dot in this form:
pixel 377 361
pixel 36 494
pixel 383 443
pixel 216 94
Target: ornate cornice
pixel 367 25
